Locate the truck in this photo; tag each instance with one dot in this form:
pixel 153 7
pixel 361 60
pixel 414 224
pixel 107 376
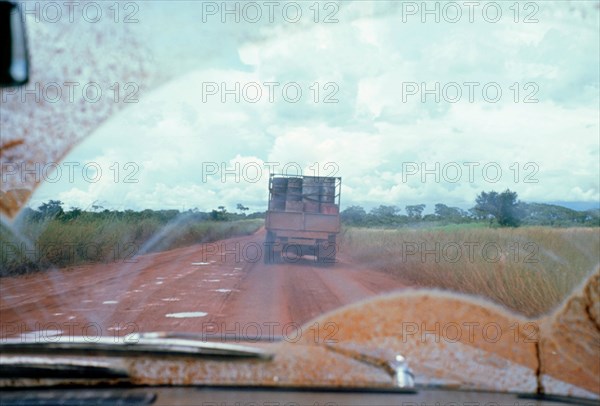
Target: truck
pixel 303 218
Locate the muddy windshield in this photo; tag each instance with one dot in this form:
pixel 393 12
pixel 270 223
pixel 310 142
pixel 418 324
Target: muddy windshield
pixel 244 171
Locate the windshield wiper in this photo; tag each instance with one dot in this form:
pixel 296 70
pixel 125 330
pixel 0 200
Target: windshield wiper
pixel 132 344
pixel 42 367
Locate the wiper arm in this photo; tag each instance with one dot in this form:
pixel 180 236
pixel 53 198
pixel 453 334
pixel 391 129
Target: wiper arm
pixel 133 344
pixel 397 367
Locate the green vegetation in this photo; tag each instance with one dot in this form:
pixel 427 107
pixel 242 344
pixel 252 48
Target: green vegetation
pixel 50 237
pixel 528 269
pixel 491 208
pixel 501 207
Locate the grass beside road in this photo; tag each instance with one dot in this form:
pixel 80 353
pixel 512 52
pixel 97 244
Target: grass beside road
pixel 54 243
pixel 529 269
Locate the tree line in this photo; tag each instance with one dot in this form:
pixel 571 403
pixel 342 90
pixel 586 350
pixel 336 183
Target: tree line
pixel 53 210
pixel 497 209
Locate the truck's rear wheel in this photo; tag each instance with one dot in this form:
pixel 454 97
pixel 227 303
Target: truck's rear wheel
pixel 326 252
pixel 269 253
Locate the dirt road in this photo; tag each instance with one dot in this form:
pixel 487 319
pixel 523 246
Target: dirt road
pixel 220 289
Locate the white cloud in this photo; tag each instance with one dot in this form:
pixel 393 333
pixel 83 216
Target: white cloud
pixel 370 133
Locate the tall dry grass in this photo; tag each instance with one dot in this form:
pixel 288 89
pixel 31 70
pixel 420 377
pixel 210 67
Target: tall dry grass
pixel 35 246
pixel 529 270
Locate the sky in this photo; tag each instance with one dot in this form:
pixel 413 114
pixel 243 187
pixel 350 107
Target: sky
pixel 405 109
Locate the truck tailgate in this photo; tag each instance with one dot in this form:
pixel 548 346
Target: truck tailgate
pixel 300 221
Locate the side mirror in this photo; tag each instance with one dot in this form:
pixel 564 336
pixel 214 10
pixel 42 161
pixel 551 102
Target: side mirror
pixel 14 60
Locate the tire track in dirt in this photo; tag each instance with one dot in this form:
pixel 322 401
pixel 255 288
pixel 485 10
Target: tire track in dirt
pixel 112 274
pixel 227 292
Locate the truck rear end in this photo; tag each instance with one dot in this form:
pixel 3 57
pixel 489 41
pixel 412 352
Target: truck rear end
pixel 303 218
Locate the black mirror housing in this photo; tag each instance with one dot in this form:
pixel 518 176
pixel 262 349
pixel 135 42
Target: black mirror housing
pixel 14 58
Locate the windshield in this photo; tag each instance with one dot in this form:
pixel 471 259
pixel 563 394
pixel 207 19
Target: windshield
pixel 240 170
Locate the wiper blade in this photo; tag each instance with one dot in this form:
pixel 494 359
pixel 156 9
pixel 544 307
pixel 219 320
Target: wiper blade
pixel 43 367
pixel 132 344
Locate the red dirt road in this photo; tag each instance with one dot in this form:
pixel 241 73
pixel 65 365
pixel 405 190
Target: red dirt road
pixel 217 289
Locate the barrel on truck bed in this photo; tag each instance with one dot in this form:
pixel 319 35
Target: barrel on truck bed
pixel 303 218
